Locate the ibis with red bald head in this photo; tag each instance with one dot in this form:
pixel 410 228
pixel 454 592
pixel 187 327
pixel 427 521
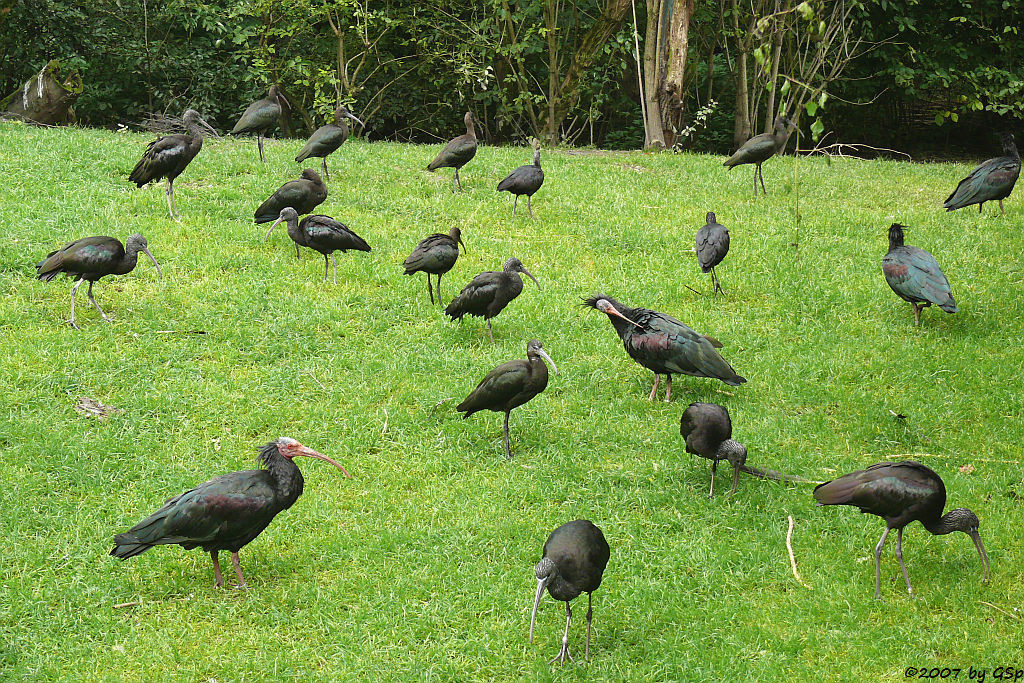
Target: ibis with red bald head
pixel 226 512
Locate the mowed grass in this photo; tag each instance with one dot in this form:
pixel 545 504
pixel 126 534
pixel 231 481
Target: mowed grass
pixel 421 565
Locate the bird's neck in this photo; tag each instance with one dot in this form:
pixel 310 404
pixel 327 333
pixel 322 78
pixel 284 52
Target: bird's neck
pixel 131 259
pixel 946 524
pixel 288 480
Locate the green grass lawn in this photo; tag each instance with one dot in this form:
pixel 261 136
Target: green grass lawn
pixel 421 565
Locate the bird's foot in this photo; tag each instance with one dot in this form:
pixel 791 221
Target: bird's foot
pixel 562 656
pixel 241 586
pixel 219 583
pixel 74 324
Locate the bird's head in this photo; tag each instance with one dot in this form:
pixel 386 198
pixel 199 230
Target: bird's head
pixel 137 243
pixel 514 265
pixel 310 174
pixel 342 112
pixel 534 349
pixel 962 519
pixel 546 571
pixel 288 215
pixel 289 449
pixel 275 94
pixel 193 120
pixel 710 218
pixel 895 236
pixel 605 305
pixel 456 234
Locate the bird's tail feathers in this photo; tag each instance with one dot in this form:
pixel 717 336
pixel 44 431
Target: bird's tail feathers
pixel 127 545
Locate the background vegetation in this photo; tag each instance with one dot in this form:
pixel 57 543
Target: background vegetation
pixel 914 75
pixel 421 565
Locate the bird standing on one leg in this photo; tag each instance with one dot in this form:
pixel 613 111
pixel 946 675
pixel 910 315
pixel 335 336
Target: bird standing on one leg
pixel 900 493
pixel 92 258
pixel 510 385
pixel 712 246
pixel 457 152
pixel 915 276
pixel 575 556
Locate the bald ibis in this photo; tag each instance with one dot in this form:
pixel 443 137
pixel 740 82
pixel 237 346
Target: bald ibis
pixel 712 246
pixel 900 493
pixel 457 152
pixel 92 258
pixel 326 139
pixel 993 180
pixel 320 233
pixel 488 293
pixel 708 433
pixel 168 156
pixel 510 385
pixel 761 148
pixel 915 276
pixel 435 254
pixel 664 345
pixel 261 116
pixel 524 180
pixel 575 556
pixel 226 512
pixel 303 195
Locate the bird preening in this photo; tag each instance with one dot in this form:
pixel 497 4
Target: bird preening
pixel 992 180
pixel 457 152
pixel 92 258
pixel 712 246
pixel 488 293
pixel 573 562
pixel 900 493
pixel 320 233
pixel 167 157
pixel 303 195
pixel 226 512
pixel 435 255
pixel 261 116
pixel 915 276
pixel 510 385
pixel 664 345
pixel 524 180
pixel 326 139
pixel 761 148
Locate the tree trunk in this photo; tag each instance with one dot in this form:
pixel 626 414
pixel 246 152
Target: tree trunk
pixel 741 123
pixel 44 99
pixel 554 91
pixel 653 72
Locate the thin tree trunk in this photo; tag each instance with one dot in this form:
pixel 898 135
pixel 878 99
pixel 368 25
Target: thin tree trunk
pixel 741 124
pixel 655 135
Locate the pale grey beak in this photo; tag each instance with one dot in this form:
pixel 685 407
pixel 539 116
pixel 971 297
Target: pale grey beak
pixel 154 262
pixel 354 118
pixel 545 356
pixel 274 225
pixel 527 274
pixel 536 601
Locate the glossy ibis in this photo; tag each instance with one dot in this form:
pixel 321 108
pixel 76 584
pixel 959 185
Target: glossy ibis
pixel 915 276
pixel 92 258
pixel 326 139
pixel 524 180
pixel 761 148
pixel 664 345
pixel 510 385
pixel 261 116
pixel 435 255
pixel 900 493
pixel 226 512
pixel 457 152
pixel 712 246
pixel 167 157
pixel 489 292
pixel 320 233
pixel 303 195
pixel 992 180
pixel 575 556
pixel 708 433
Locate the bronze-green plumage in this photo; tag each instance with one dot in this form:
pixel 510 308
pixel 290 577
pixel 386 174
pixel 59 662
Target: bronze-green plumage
pixel 915 276
pixel 707 429
pixel 993 180
pixel 92 258
pixel 327 139
pixel 303 195
pixel 510 385
pixel 457 152
pixel 261 116
pixel 761 148
pixel 322 234
pixel 524 180
pixel 435 255
pixel 489 293
pixel 712 246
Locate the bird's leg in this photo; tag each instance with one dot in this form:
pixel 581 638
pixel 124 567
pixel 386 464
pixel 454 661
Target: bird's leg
pixel 917 314
pixel 755 182
pixel 489 332
pixel 259 145
pixel 91 283
pixel 654 389
pixel 1001 212
pixel 455 180
pixel 878 564
pixel 529 205
pixel 170 198
pixel 980 205
pixel 760 174
pixel 714 466
pixel 74 290
pixel 718 286
pixel 238 571
pixel 438 285
pixel 561 656
pixel 335 264
pixel 590 618
pixel 899 556
pixel 508 452
pixel 218 577
pixel 668 387
pixel 297 254
pixel 514 202
pixel 323 162
pixel 429 290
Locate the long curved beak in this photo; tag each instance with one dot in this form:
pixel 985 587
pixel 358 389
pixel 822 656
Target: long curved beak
pixel 355 118
pixel 536 602
pixel 611 310
pixel 463 245
pixel 154 262
pixel 208 127
pixel 527 274
pixel 976 537
pixel 279 219
pixel 545 356
pixel 284 99
pixel 310 453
